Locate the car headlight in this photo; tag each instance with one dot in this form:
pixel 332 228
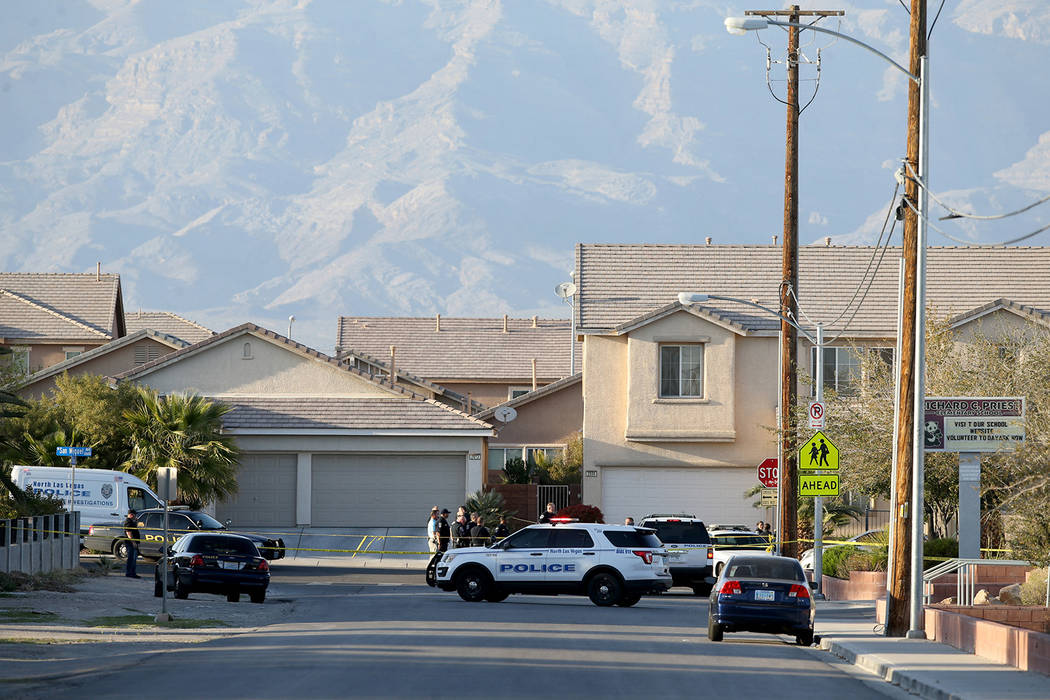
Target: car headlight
pixel 447 559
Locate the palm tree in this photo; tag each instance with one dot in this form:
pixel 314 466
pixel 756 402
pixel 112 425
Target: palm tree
pixel 183 431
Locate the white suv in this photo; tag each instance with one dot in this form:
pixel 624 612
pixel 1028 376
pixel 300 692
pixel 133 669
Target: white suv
pixel 688 548
pixel 611 564
pixel 727 543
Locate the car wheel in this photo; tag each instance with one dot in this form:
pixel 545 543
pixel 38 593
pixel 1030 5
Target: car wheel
pixel 604 589
pixel 805 639
pixel 629 599
pixel 233 597
pixel 496 595
pixel 181 591
pixel 472 585
pixel 120 549
pixel 714 631
pixel 258 596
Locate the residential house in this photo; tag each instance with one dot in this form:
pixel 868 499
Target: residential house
pixel 324 444
pixel 490 360
pixel 46 318
pixel 167 323
pixel 680 400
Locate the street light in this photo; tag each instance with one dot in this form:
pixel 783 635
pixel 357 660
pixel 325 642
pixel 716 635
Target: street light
pixel 689 298
pixel 742 25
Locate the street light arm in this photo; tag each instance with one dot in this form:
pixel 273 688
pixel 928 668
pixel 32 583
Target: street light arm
pixel 739 25
pixel 687 298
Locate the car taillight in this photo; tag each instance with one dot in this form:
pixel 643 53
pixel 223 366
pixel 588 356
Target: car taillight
pixel 197 560
pixel 263 566
pixel 710 553
pixel 91 530
pixel 647 557
pixel 798 591
pixel 731 588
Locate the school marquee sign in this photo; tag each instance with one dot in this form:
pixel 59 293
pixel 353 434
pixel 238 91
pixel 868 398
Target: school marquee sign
pixel 973 424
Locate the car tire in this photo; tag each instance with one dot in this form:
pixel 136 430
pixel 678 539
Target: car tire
pixel 496 595
pixel 120 549
pixel 714 631
pixel 703 590
pixel 258 596
pixel 233 597
pixel 804 639
pixel 181 591
pixel 628 599
pixel 473 584
pixel 604 589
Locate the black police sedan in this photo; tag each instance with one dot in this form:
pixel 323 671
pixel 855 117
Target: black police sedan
pixel 109 537
pixel 761 593
pixel 215 563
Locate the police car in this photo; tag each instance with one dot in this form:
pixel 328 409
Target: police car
pixel 688 547
pixel 611 564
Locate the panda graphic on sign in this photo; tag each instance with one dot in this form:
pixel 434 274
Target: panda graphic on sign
pixel 933 432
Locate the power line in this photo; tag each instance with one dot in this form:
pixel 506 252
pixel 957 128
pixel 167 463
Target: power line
pixel 971 243
pixel 963 215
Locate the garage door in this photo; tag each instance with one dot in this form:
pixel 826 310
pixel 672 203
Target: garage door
pixel 266 494
pixel 371 490
pixel 713 494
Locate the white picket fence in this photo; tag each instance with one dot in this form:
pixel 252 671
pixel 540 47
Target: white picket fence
pixel 40 544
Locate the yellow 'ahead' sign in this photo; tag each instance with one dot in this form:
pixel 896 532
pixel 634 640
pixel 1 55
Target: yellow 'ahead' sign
pixel 819 453
pixel 818 484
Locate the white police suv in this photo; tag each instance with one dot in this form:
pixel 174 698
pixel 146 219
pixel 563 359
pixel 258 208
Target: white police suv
pixel 611 564
pixel 688 547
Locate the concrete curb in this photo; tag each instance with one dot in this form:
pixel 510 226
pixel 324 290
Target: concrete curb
pixel 886 670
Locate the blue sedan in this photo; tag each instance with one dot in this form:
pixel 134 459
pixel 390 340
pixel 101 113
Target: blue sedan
pixel 761 594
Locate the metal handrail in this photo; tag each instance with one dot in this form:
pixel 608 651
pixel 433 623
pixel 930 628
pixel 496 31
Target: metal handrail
pixel 966 579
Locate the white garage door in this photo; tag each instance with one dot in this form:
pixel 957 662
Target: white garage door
pixel 266 493
pixel 372 490
pixel 713 494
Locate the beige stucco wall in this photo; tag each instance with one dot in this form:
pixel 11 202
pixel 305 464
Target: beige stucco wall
pixel 546 422
pixel 107 365
pixel 487 393
pixel 42 356
pixel 996 325
pixel 221 369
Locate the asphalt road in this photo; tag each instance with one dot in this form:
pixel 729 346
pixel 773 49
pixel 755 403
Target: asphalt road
pixel 380 633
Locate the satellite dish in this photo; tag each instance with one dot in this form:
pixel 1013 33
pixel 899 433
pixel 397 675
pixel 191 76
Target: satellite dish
pixel 565 290
pixel 505 414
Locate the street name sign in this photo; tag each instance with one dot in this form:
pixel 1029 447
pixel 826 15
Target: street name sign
pixel 818 484
pixel 768 473
pixel 73 451
pixel 973 424
pixel 819 452
pixel 769 498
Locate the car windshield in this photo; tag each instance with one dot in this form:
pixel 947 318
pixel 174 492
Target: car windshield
pixel 765 568
pixel 745 541
pixel 679 532
pixel 205 521
pixel 224 545
pixel 632 538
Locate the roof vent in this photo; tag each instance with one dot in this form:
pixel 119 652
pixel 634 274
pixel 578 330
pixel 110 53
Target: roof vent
pixel 437 323
pixel 827 241
pixel 707 240
pixel 98 271
pixel 505 323
pixel 393 363
pixel 534 322
pixel 774 239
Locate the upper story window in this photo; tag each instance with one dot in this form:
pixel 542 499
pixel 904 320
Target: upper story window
pixel 682 371
pixel 19 360
pixel 73 352
pixel 843 369
pixel 516 391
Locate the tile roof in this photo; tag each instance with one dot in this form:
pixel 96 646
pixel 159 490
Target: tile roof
pixel 464 348
pixel 531 396
pixel 41 307
pixel 384 368
pixel 169 323
pixel 330 413
pixel 171 341
pixel 621 283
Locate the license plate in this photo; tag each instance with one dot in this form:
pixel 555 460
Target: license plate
pixel 230 564
pixel 675 556
pixel 765 595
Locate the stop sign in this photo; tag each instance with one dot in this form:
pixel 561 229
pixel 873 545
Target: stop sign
pixel 768 472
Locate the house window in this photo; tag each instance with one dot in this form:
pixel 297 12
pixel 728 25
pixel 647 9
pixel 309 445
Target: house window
pixel 246 351
pixel 19 359
pixel 73 352
pixel 499 456
pixel 844 367
pixel 514 392
pixel 682 371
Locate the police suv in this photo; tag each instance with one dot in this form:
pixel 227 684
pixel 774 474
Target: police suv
pixel 611 564
pixel 688 547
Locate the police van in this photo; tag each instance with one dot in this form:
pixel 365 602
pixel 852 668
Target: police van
pixel 611 564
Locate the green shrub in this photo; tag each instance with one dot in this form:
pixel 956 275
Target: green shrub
pixel 515 471
pixel 936 551
pixel 489 504
pixel 835 561
pixel 1033 591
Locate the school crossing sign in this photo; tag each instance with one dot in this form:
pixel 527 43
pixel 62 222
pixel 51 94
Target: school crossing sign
pixel 818 454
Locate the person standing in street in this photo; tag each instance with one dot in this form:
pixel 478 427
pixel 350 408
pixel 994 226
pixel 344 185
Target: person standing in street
pixel 444 531
pixel 460 530
pixel 432 530
pixel 547 514
pixel 628 520
pixel 501 530
pixel 131 531
pixel 479 534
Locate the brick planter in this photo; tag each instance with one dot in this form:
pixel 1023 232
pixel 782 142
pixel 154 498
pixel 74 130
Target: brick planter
pixel 1031 617
pixel 861 585
pixel 1022 648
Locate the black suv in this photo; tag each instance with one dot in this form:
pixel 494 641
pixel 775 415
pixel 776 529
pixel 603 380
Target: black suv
pixel 689 549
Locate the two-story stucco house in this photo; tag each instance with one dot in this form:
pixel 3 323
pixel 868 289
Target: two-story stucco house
pixel 680 400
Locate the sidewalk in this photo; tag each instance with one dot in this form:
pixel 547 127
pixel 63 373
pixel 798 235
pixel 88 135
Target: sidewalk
pixel 924 668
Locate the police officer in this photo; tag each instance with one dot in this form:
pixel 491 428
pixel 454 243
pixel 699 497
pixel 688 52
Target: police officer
pixel 461 530
pixel 131 531
pixel 479 534
pixel 501 530
pixel 444 531
pixel 547 514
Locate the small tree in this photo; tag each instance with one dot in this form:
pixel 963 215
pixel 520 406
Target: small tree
pixel 567 467
pixel 489 504
pixel 185 432
pixel 515 471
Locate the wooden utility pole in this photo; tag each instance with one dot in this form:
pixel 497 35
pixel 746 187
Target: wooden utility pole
pixel 788 525
pixel 897 621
